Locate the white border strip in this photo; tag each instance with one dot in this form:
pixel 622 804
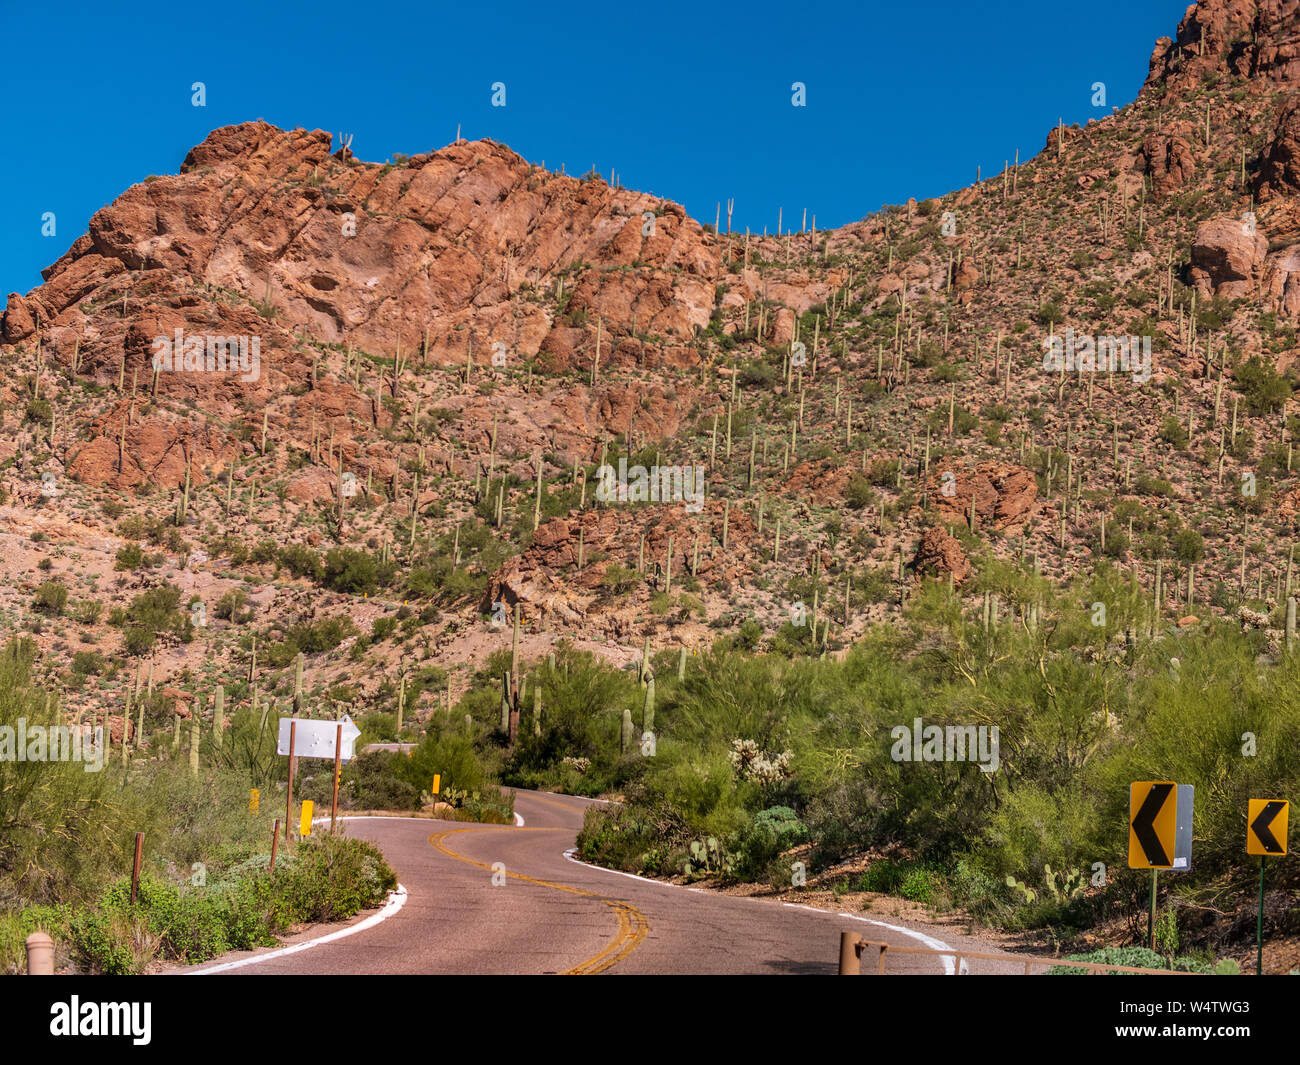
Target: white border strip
pixel 929 941
pixel 396 900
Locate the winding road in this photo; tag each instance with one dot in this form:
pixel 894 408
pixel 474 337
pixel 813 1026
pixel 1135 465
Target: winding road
pixel 513 899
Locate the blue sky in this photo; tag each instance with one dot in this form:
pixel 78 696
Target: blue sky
pixel 690 101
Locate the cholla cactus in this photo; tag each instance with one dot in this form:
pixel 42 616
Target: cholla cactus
pixel 750 763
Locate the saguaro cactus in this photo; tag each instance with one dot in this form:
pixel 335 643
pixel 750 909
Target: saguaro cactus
pixel 505 702
pixel 648 709
pixel 297 682
pixel 183 507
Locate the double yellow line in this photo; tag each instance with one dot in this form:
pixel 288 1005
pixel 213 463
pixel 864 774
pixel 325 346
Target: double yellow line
pixel 632 924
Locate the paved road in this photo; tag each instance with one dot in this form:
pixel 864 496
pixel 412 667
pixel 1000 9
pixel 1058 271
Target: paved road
pixel 507 899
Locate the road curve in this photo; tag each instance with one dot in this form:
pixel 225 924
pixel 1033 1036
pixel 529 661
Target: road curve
pixel 508 899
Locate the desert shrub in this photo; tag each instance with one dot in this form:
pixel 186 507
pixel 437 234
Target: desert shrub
pixel 1174 432
pixel 354 572
pixel 774 830
pixel 299 560
pixel 328 878
pixel 859 493
pixel 129 556
pixel 156 613
pixel 88 663
pixel 1139 958
pixel 230 607
pixel 51 598
pixel 1263 388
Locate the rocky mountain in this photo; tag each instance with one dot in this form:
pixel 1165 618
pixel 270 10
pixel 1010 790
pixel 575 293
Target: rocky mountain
pixel 450 345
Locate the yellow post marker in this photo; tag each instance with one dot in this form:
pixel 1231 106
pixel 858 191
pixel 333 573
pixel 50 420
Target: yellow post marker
pixel 304 826
pixel 437 782
pixel 254 798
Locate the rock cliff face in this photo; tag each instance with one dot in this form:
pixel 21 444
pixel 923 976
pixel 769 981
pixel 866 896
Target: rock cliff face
pixel 468 245
pixel 1257 39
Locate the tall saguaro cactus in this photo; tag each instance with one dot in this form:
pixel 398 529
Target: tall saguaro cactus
pixel 297 682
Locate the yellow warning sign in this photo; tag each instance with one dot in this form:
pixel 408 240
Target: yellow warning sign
pixel 1153 824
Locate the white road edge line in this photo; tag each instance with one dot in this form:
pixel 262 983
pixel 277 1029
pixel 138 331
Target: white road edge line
pixel 929 941
pixel 396 900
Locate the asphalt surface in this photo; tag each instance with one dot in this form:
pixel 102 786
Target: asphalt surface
pixel 486 899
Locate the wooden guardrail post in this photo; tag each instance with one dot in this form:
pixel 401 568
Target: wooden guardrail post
pixel 40 954
pixel 135 866
pixel 850 964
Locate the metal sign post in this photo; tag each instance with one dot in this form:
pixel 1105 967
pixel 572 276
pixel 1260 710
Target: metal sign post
pixel 1160 833
pixel 338 758
pixel 1266 834
pixel 288 799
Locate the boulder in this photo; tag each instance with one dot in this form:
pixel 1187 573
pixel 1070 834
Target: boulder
pixel 1227 257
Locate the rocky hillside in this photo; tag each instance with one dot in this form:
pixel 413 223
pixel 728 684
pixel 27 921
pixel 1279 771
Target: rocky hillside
pixel 450 345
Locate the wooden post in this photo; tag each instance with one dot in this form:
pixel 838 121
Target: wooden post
pixel 850 963
pixel 135 866
pixel 275 843
pixel 288 799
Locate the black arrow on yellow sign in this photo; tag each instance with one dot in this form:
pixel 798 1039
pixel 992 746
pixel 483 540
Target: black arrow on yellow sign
pixel 1153 825
pixel 1268 821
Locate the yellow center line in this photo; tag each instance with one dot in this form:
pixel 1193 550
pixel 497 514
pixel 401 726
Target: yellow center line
pixel 559 805
pixel 632 924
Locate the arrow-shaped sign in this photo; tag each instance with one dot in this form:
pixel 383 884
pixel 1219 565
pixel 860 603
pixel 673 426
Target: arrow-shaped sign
pixel 1152 823
pixel 1268 818
pixel 315 739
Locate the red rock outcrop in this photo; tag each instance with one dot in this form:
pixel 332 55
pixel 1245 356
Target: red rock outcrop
pixel 1227 257
pixel 1169 161
pixel 1005 495
pixel 1249 38
pixel 1279 162
pixel 456 245
pixel 939 553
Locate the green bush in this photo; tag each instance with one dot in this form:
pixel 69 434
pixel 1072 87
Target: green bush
pixel 129 557
pixel 1139 958
pixel 51 598
pixel 1263 388
pixel 773 831
pixel 328 878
